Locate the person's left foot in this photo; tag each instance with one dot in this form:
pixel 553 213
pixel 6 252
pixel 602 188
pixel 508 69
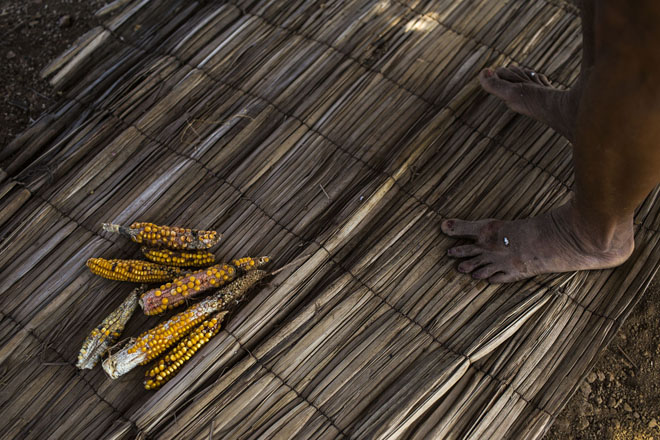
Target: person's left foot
pixel 507 251
pixel 529 93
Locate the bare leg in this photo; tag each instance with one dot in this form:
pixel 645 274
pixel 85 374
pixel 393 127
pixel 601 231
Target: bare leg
pixel 531 94
pixel 616 156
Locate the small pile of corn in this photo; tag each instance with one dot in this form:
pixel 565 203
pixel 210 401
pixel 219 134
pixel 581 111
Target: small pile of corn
pixel 173 251
pixel 168 365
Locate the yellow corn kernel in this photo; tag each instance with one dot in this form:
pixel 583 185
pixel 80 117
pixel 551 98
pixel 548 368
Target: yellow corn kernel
pixel 107 333
pixel 171 237
pixel 179 258
pixel 168 366
pixel 194 283
pixel 136 271
pixel 152 343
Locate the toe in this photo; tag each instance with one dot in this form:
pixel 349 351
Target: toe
pixel 484 272
pixel 471 264
pixel 506 90
pixel 503 277
pixel 461 228
pixel 544 79
pixel 468 250
pixel 495 85
pixel 511 74
pixel 519 73
pixel 537 78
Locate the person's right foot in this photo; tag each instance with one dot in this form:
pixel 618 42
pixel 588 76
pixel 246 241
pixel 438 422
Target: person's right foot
pixel 507 251
pixel 531 94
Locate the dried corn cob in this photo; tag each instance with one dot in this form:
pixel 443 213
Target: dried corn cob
pixel 137 271
pixel 249 263
pixel 171 237
pixel 237 289
pixel 167 366
pixel 179 258
pixel 173 294
pixel 107 332
pixel 152 343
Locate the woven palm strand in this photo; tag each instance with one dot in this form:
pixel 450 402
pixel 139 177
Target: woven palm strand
pixel 341 131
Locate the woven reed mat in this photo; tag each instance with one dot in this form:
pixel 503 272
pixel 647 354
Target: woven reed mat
pixel 332 134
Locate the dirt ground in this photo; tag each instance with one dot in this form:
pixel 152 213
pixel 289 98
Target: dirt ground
pixel 32 33
pixel 620 399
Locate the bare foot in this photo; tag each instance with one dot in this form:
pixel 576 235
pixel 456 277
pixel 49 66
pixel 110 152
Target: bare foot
pixel 529 93
pixel 507 251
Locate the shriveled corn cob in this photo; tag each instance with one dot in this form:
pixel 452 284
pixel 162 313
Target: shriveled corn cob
pixel 237 289
pixel 171 237
pixel 179 258
pixel 173 294
pixel 152 343
pixel 168 366
pixel 107 332
pixel 249 263
pixel 137 271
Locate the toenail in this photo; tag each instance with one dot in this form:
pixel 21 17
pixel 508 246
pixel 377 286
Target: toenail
pixel 488 73
pixel 449 224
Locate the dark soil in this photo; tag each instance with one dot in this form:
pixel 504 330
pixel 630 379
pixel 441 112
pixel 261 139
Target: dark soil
pixel 620 399
pixel 32 33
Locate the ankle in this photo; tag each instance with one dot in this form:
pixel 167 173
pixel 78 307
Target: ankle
pixel 600 233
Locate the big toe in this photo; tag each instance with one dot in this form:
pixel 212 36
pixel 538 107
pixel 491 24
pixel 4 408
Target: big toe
pixel 500 87
pixel 461 228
